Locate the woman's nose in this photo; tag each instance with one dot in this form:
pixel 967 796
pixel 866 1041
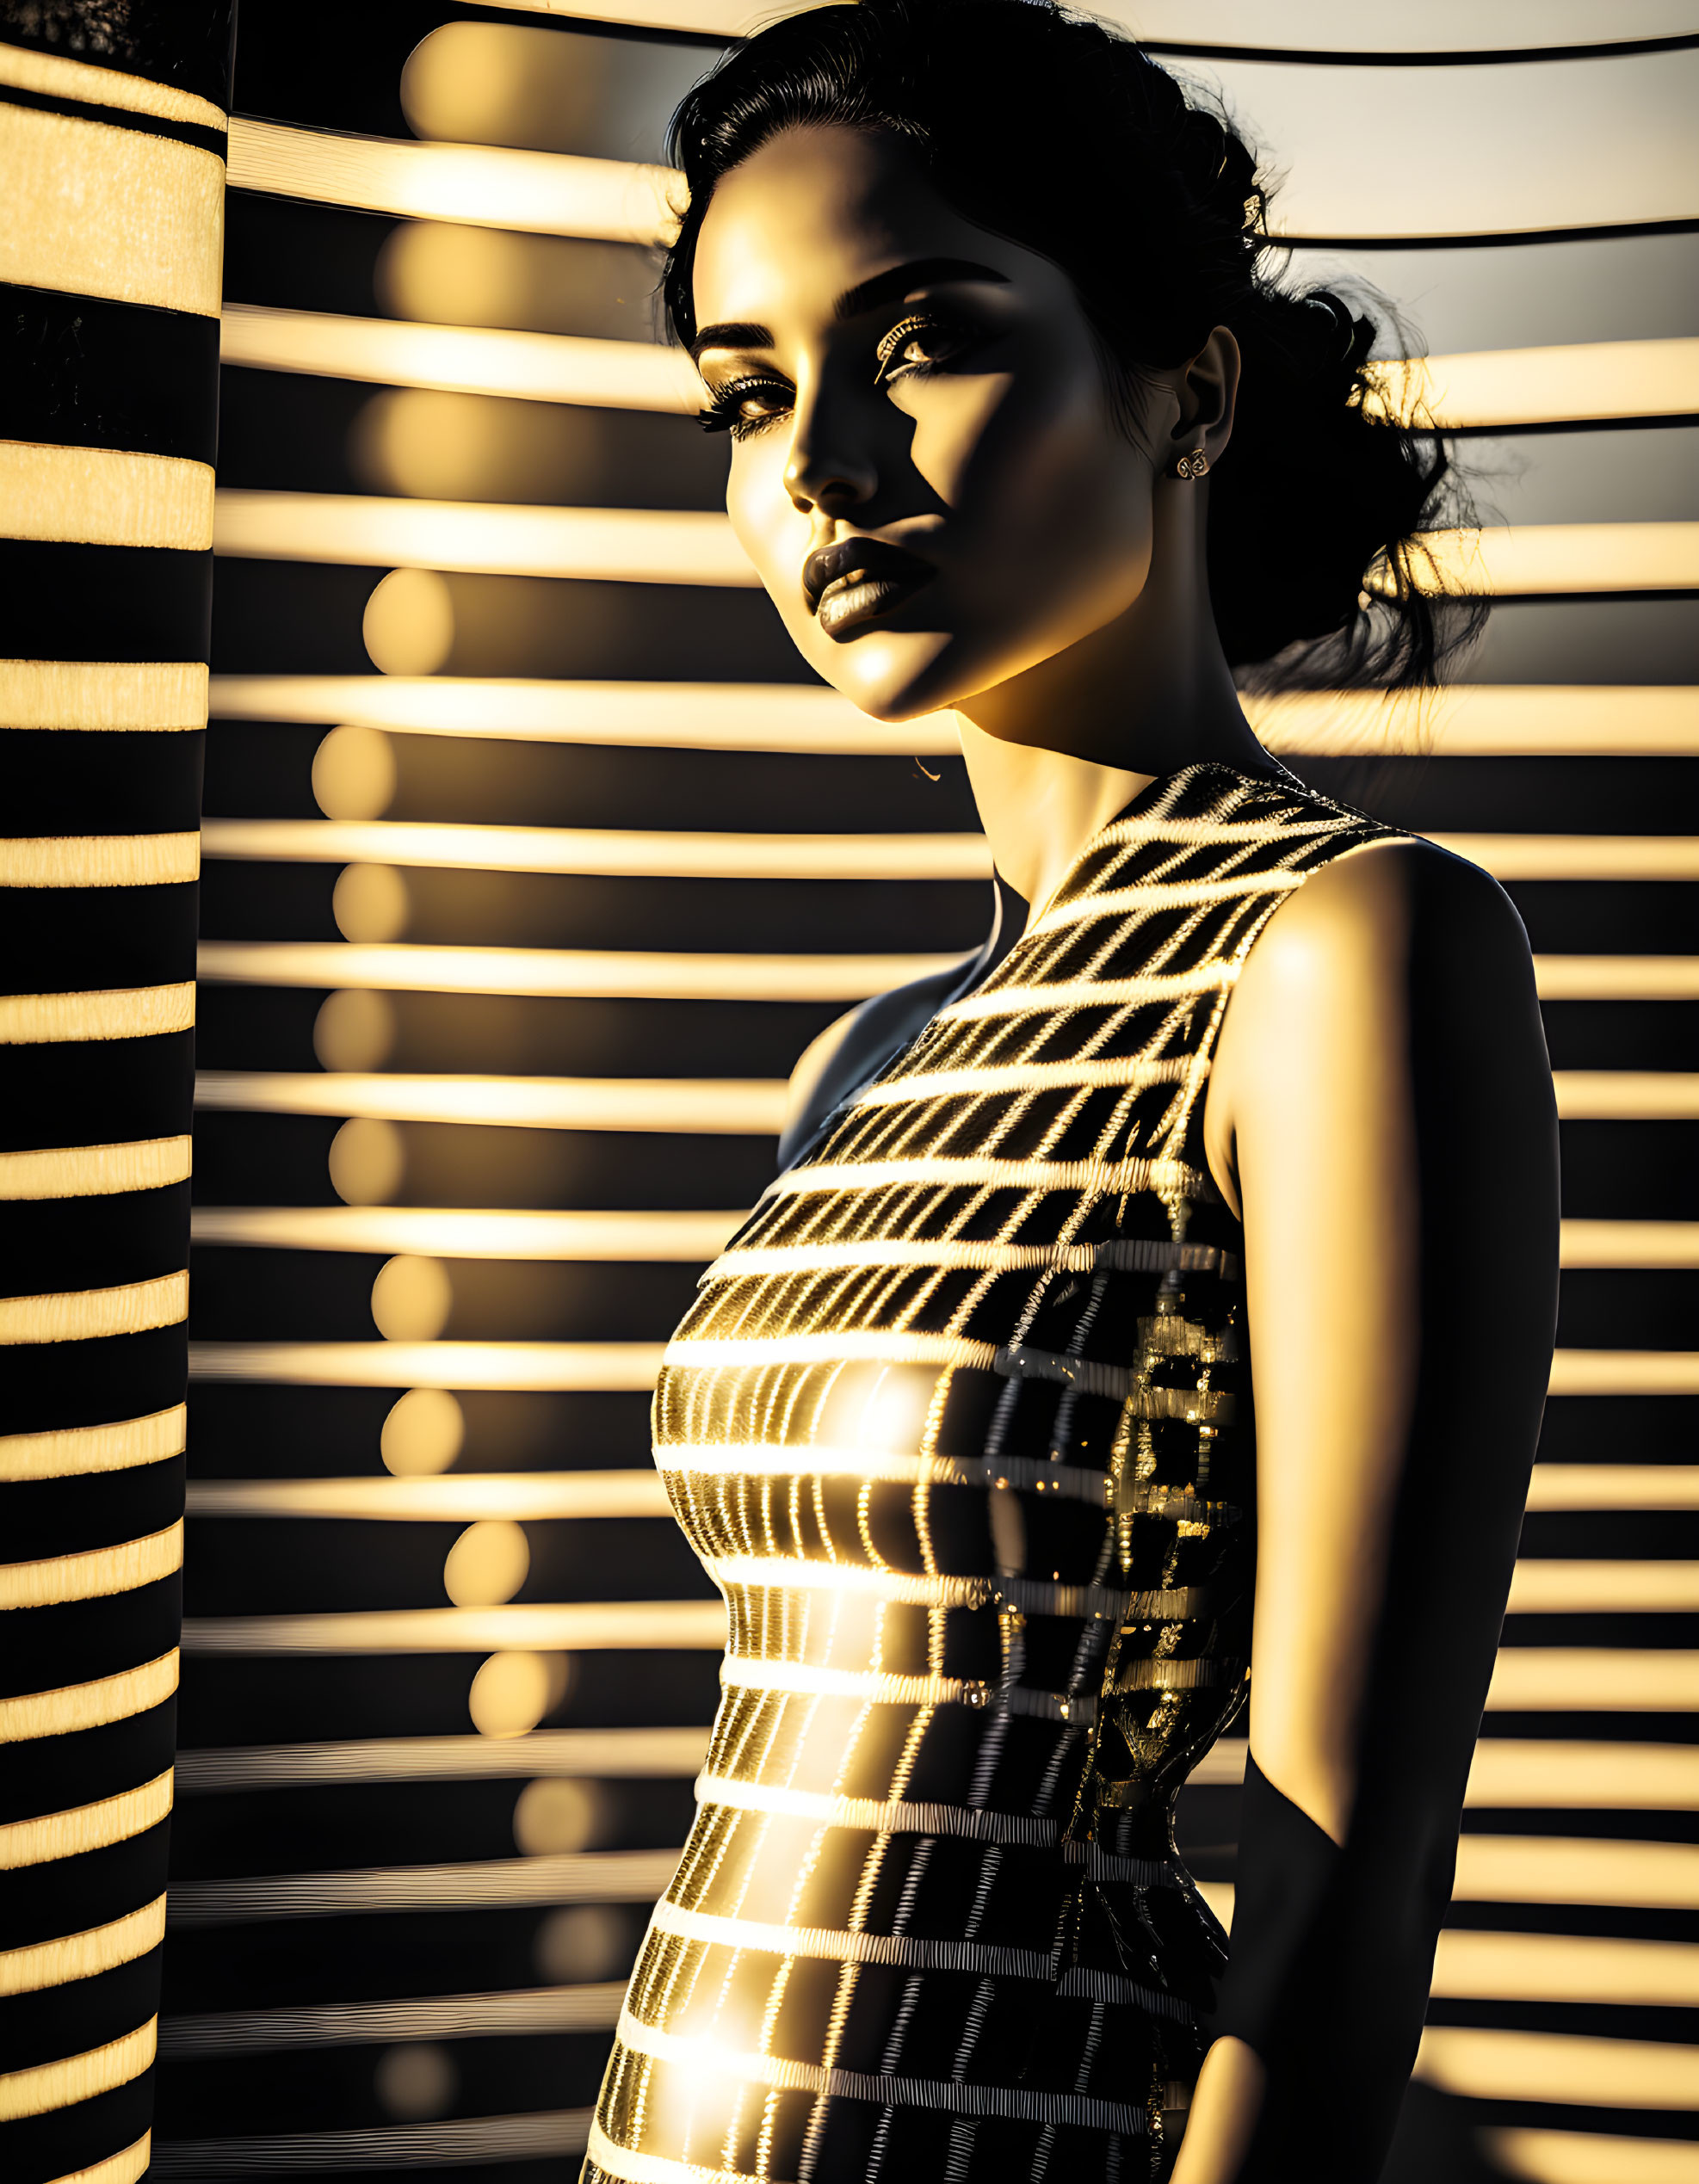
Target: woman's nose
pixel 830 467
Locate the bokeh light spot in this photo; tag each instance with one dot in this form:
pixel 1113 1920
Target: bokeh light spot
pixel 409 629
pixel 414 2084
pixel 355 1030
pixel 512 1692
pixel 354 773
pixel 368 1160
pixel 487 1564
pixel 581 1942
pixel 559 1814
pixel 411 1299
pixel 370 902
pixel 423 1434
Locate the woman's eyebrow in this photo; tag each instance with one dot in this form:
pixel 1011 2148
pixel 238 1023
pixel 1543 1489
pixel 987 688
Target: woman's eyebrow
pixel 738 333
pixel 895 283
pixel 867 295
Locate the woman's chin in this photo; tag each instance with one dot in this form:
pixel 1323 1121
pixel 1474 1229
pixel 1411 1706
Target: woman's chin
pixel 892 677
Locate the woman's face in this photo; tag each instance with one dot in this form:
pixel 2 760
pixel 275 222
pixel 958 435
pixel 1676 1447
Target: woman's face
pixel 926 470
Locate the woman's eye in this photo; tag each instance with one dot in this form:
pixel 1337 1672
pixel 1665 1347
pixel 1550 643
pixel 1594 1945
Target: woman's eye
pixel 746 406
pixel 919 345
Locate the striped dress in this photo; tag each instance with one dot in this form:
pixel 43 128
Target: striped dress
pixel 959 1425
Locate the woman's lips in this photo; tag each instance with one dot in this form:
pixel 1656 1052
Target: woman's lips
pixel 857 580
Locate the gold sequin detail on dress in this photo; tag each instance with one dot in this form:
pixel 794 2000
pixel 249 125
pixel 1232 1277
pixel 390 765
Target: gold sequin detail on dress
pixel 959 1424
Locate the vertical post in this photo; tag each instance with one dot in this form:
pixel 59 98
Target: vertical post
pixel 112 143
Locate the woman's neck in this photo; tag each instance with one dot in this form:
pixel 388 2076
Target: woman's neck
pixel 1054 753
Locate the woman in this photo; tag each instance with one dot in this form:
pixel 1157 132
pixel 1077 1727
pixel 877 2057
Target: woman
pixel 961 1422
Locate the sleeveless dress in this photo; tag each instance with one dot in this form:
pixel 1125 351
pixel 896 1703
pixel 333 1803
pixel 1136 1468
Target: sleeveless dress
pixel 959 1425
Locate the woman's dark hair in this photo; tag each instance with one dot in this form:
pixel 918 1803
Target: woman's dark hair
pixel 1055 132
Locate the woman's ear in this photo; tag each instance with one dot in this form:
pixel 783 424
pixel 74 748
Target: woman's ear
pixel 1209 389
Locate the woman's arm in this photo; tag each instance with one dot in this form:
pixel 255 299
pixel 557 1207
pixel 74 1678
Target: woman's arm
pixel 1382 1111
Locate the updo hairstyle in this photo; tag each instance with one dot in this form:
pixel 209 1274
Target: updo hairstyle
pixel 1056 131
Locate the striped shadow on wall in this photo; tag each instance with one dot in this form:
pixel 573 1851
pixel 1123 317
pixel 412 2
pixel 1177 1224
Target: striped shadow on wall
pixel 112 158
pixel 508 948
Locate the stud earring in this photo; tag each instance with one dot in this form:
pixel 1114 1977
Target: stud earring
pixel 1192 466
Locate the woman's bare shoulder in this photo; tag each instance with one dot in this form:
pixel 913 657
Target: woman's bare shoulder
pixel 1397 900
pixel 1396 961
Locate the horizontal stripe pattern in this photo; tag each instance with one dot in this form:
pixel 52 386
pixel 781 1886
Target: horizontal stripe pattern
pixel 70 1452
pixel 94 1171
pixel 1479 720
pixel 104 697
pixel 100 860
pixel 112 173
pixel 105 496
pixel 84 1956
pixel 90 1315
pixel 94 1575
pixel 124 1012
pixel 79 1706
pixel 91 1827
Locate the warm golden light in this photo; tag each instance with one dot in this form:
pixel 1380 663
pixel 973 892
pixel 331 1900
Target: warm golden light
pixel 96 1171
pixel 1545 559
pixel 103 695
pixel 1572 1680
pixel 512 1692
pixel 1618 978
pixel 368 902
pixel 357 1029
pixel 558 1814
pixel 1617 1372
pixel 553 90
pixel 409 623
pixel 472 269
pixel 1647 1588
pixel 374 895
pixel 1588 2157
pixel 1483 720
pixel 1559 2067
pixel 92 1315
pixel 1578 856
pixel 70 1452
pixel 529 1497
pixel 495 279
pixel 57 76
pixel 423 1434
pixel 1515 1772
pixel 648 1753
pixel 114 212
pixel 368 1160
pixel 416 2081
pixel 353 1030
pixel 487 1564
pixel 1626 1096
pixel 1561 1869
pixel 353 773
pixel 544 192
pixel 1507 387
pixel 756 716
pixel 411 1299
pixel 608 1368
pixel 100 495
pixel 617 545
pixel 581 1942
pixel 100 860
pixel 123 1012
pixel 1630 1243
pixel 630 974
pixel 651 1626
pixel 1613 1486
